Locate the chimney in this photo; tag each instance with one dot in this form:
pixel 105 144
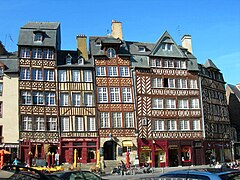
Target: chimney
pixel 117 29
pixel 82 46
pixel 187 42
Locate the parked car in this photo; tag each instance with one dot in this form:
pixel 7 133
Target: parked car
pixel 214 174
pixel 67 175
pixel 22 172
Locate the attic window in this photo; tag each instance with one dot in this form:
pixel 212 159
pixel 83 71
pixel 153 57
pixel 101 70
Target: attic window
pixel 167 47
pixel 111 53
pixel 68 59
pixel 141 49
pixel 80 60
pixel 98 43
pixel 38 37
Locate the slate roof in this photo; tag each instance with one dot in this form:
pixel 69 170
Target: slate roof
pixel 98 50
pixel 210 64
pixel 61 60
pixel 51 31
pixel 10 62
pixel 234 90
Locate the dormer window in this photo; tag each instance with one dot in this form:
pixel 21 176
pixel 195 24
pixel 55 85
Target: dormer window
pixel 141 48
pixel 167 47
pixel 80 60
pixel 68 59
pixel 111 53
pixel 38 37
pixel 98 43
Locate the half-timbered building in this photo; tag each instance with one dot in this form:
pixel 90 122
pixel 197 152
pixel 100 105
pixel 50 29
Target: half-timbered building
pixel 77 109
pixel 167 103
pixel 38 44
pixel 215 112
pixel 114 95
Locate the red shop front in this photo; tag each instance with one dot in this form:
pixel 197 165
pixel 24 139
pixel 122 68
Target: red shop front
pixel 86 150
pixel 153 152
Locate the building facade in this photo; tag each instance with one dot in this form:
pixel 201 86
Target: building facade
pixel 9 129
pixel 77 107
pixel 168 103
pixel 218 135
pixel 114 96
pixel 38 44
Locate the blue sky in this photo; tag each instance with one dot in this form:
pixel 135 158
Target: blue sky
pixel 213 24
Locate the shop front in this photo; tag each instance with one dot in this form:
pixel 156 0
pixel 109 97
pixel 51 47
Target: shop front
pixel 86 150
pixel 221 151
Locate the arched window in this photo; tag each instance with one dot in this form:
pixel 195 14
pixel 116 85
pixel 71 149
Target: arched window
pixel 111 53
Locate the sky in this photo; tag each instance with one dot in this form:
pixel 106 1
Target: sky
pixel 214 25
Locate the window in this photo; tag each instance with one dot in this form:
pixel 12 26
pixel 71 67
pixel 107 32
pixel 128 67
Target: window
pixel 1 72
pixel 80 60
pixel 112 71
pixel 102 94
pixel 159 125
pixel 141 49
pixel 165 63
pixel 49 75
pixel 171 125
pixel 37 74
pixel 1 89
pixel 62 75
pixel 111 53
pixel 38 37
pixel 64 99
pixel 26 123
pixel 25 74
pixel 88 99
pixel 177 64
pixel 51 123
pixel 75 75
pixel 38 98
pixel 170 103
pixel 192 84
pixel 194 103
pixel 37 53
pixel 87 76
pixel 114 94
pixel 25 53
pixel 126 94
pixel 1 108
pixel 196 125
pixel 48 54
pixel 76 99
pixel 91 124
pixel 68 59
pixel 104 120
pixel 186 157
pixel 50 98
pixel 182 103
pixel 157 103
pixel 128 120
pixel 65 124
pixel 101 71
pixel 39 122
pixel 184 125
pixel 183 64
pixel 181 83
pixel 124 71
pixel 157 83
pixel 171 83
pixel 79 124
pixel 26 98
pixel 167 47
pixel 117 119
pixel 170 64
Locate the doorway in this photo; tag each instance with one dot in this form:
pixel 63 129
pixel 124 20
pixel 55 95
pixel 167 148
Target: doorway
pixel 110 150
pixel 173 157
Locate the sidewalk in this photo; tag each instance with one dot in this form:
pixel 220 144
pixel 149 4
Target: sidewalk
pixel 156 171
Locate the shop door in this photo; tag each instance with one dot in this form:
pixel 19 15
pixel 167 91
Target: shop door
pixel 110 150
pixel 173 157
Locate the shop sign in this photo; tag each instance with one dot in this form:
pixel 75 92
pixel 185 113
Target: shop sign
pixel 173 146
pixel 145 148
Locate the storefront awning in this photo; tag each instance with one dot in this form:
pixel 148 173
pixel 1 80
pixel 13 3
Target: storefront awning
pixel 127 143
